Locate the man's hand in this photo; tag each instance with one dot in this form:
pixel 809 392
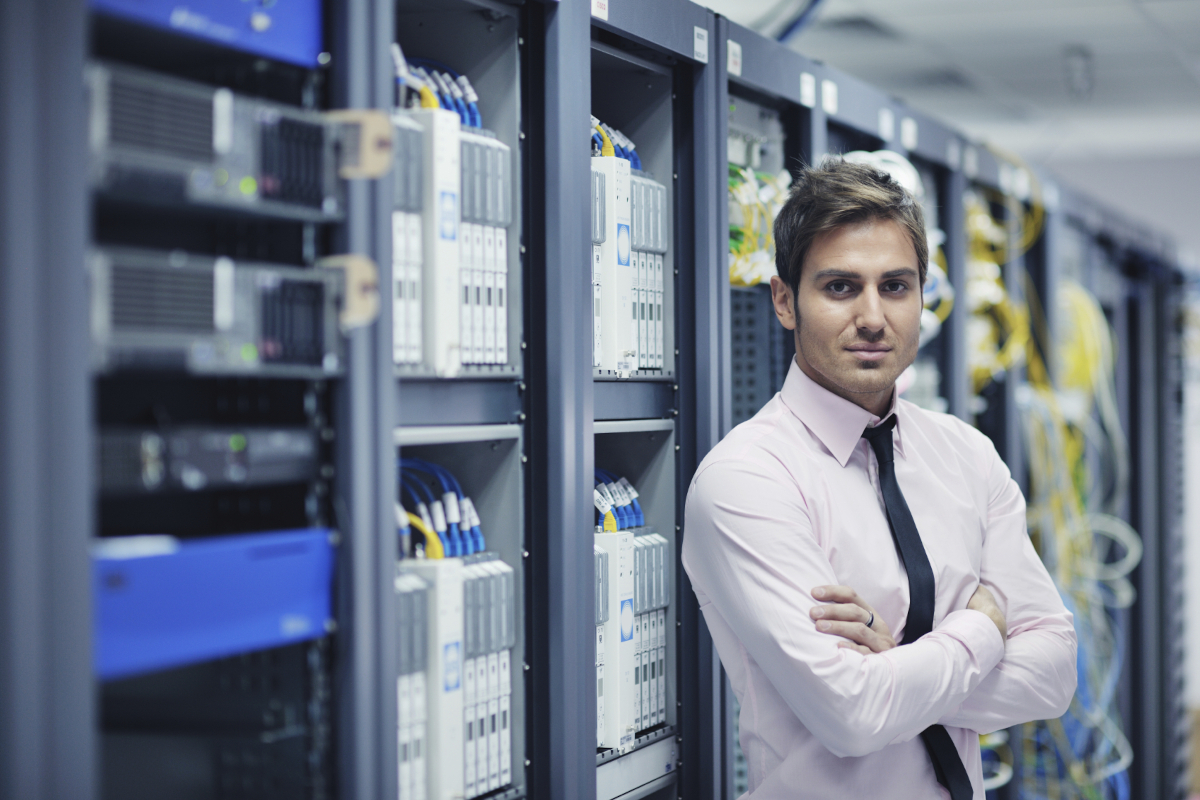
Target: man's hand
pixel 984 602
pixel 847 616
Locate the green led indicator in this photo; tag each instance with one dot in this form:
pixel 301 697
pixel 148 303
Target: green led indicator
pixel 248 185
pixel 249 352
pixel 221 177
pixel 237 443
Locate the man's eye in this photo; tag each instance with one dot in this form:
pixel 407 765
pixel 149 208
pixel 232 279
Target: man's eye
pixel 896 286
pixel 838 287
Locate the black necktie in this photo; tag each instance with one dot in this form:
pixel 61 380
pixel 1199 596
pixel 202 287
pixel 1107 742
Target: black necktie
pixel 946 763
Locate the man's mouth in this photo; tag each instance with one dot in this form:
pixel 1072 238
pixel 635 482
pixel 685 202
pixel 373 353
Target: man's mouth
pixel 869 352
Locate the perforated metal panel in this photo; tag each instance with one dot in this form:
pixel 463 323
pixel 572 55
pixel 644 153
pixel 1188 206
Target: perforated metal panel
pixel 760 351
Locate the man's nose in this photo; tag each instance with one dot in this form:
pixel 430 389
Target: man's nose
pixel 869 317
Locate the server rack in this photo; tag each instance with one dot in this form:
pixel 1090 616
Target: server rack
pixel 659 427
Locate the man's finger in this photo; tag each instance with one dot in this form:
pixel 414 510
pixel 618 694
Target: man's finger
pixel 866 651
pixel 836 594
pixel 854 631
pixel 847 612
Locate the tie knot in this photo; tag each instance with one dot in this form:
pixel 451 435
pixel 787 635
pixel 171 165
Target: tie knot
pixel 880 438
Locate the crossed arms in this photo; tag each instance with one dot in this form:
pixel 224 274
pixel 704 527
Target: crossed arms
pixel 851 687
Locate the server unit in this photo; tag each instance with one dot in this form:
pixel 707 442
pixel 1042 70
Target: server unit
pixel 160 140
pixel 211 316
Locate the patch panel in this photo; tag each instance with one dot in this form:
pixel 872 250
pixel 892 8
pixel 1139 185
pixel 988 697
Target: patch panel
pixel 630 234
pixel 472 616
pixel 634 596
pixel 451 227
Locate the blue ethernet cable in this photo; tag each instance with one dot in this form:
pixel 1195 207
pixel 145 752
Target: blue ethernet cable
pixel 627 515
pixel 457 546
pixel 455 94
pixel 472 98
pixel 471 538
pixel 474 536
pixel 448 483
pixel 617 511
pixel 634 159
pixel 415 488
pixel 621 512
pixel 475 533
pixel 452 542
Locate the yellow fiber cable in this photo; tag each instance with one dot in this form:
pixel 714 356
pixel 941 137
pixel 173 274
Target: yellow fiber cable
pixel 428 100
pixel 606 149
pixel 433 545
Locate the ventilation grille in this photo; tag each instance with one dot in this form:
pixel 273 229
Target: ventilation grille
pixel 293 323
pixel 161 120
pixel 292 159
pixel 120 461
pixel 164 300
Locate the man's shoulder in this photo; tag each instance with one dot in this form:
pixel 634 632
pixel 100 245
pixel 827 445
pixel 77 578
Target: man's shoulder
pixel 764 441
pixel 946 429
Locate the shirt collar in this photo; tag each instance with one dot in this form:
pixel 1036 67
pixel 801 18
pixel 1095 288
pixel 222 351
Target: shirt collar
pixel 834 420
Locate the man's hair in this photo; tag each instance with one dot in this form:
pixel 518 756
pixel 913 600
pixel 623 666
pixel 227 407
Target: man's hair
pixel 836 194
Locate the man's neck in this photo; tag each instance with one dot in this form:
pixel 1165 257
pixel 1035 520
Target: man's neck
pixel 877 403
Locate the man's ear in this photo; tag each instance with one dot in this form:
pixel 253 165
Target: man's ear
pixel 784 302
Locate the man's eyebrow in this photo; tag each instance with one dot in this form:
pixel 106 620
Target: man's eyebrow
pixel 837 273
pixel 903 272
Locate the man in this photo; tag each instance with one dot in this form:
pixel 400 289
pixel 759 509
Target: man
pixel 841 521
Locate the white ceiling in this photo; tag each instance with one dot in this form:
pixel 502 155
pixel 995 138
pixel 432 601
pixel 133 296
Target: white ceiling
pixel 999 70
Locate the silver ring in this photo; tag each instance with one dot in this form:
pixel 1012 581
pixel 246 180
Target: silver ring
pixel 871 621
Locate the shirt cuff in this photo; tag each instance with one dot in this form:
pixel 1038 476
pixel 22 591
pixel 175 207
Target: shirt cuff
pixel 976 631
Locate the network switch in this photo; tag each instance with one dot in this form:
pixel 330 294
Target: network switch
pixel 137 460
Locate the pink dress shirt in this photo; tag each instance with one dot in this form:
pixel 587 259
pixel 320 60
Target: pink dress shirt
pixel 790 500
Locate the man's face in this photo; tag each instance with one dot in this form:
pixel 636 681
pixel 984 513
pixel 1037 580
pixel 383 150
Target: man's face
pixel 859 302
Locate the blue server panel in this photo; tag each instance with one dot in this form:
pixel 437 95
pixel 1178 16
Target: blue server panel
pixel 288 30
pixel 162 603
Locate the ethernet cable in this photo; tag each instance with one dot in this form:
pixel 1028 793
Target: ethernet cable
pixel 407 484
pixel 452 90
pixel 450 538
pixel 621 509
pixel 458 87
pixel 472 99
pixel 433 544
pixel 446 507
pixel 460 510
pixel 625 491
pixel 606 519
pixel 451 501
pixel 408 79
pixel 624 147
pixel 435 87
pixel 1085 753
pixel 606 145
pixel 430 510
